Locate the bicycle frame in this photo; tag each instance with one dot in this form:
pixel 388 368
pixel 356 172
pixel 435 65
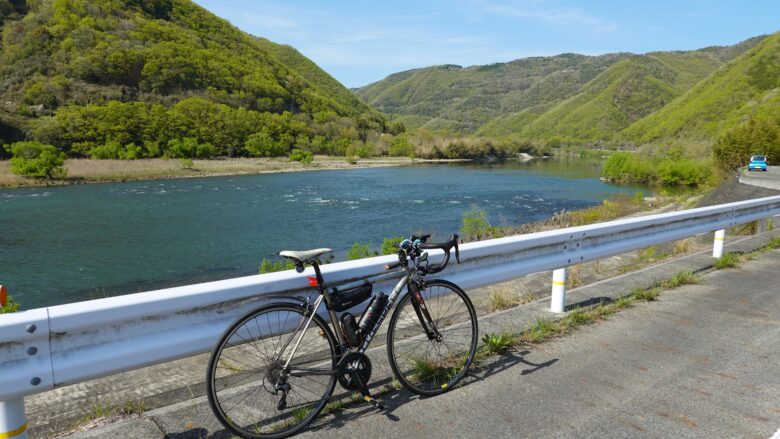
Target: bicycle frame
pixel 326 297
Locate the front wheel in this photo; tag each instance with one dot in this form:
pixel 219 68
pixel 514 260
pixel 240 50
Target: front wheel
pixel 429 365
pixel 248 388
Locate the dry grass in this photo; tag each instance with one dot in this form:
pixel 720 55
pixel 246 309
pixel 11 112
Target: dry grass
pixel 88 170
pixel 682 246
pixel 573 278
pixel 500 300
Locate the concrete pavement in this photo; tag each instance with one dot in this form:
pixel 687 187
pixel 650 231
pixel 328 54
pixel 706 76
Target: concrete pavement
pixel 699 362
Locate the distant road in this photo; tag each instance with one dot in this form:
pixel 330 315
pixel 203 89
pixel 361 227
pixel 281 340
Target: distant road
pixel 769 179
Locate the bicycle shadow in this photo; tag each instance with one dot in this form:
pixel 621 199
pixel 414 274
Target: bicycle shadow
pixel 393 398
pixel 389 396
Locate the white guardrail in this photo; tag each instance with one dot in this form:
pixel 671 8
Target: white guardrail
pixel 44 348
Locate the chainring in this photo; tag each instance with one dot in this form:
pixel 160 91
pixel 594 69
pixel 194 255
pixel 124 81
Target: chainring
pixel 354 360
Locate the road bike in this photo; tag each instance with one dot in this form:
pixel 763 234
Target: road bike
pixel 275 369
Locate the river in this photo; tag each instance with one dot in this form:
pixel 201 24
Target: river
pixel 72 243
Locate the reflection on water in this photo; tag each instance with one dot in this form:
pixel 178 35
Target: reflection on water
pixel 73 243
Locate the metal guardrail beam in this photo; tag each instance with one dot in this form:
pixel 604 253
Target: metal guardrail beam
pixel 45 348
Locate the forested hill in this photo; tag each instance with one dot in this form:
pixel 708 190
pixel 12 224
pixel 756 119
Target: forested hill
pixel 463 99
pixel 747 87
pixel 568 97
pixel 82 74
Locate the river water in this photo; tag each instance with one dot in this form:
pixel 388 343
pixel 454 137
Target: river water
pixel 72 243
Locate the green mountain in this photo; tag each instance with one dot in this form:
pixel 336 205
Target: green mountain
pixel 62 59
pixel 569 97
pixel 747 86
pixel 464 99
pixel 627 91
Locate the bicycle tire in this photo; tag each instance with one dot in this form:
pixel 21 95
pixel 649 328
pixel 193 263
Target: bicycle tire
pixel 433 376
pixel 251 336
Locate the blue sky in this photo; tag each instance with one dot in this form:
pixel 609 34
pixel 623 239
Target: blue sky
pixel 359 42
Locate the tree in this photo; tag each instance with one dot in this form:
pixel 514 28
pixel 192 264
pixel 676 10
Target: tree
pixel 390 245
pixel 262 144
pixel 189 148
pixel 359 251
pixel 33 159
pixel 476 225
pixel 297 155
pixel 758 136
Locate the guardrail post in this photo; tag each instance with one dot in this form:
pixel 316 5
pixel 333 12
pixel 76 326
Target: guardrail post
pixel 717 247
pixel 12 422
pixel 762 226
pixel 558 290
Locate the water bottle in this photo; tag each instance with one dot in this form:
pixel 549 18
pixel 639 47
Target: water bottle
pixel 350 329
pixel 371 314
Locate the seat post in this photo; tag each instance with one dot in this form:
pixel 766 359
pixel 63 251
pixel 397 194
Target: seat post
pixel 318 273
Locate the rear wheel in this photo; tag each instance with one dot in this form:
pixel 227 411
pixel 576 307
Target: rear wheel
pixel 429 366
pixel 246 381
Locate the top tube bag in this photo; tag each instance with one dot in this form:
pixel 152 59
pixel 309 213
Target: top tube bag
pixel 347 298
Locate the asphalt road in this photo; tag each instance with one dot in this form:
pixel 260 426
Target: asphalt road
pixel 769 179
pixel 700 362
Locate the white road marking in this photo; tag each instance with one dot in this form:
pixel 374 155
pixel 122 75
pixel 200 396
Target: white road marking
pixel 776 435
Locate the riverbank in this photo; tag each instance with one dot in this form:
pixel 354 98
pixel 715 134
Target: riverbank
pixel 102 171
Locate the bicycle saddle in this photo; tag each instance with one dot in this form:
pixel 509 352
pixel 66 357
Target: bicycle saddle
pixel 304 256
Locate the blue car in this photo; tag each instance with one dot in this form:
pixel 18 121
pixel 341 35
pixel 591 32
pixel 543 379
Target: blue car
pixel 757 163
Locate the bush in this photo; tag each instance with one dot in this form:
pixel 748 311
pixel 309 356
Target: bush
pixel 401 147
pixel 390 245
pixel 297 155
pixel 263 145
pixel 10 306
pixel 476 224
pixel 734 148
pixel 268 266
pixel 364 150
pixel 683 172
pixel 359 251
pixel 669 171
pixel 113 150
pixel 108 151
pixel 189 148
pixel 34 159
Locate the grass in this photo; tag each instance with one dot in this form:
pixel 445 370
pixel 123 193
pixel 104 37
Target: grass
pixel 573 278
pixel 498 343
pixel 425 369
pixel 728 260
pixel 579 316
pixel 543 329
pixel 646 294
pixel 335 406
pixel 773 244
pixel 105 411
pixel 499 300
pixel 301 413
pixel 540 331
pixel 681 278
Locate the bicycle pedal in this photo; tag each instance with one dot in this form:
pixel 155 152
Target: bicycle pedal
pixel 374 402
